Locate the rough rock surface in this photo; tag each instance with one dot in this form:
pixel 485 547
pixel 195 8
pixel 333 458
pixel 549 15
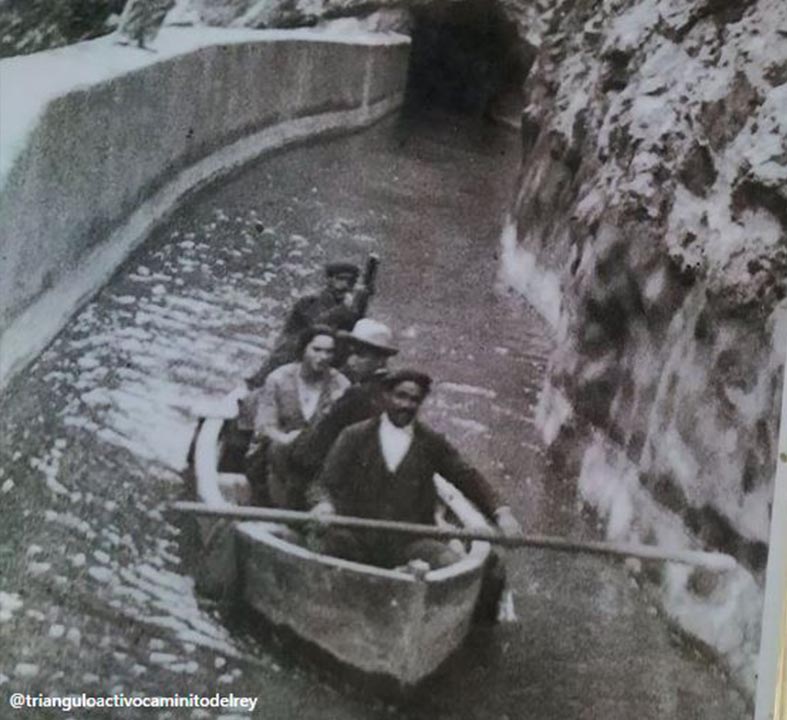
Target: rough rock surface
pixel 142 20
pixel 377 14
pixel 28 26
pixel 650 229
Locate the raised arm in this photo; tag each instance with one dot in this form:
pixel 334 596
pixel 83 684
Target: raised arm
pixel 365 293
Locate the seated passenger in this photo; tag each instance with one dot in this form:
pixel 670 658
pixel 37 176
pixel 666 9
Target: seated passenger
pixel 370 345
pixel 293 397
pixel 338 306
pixel 384 467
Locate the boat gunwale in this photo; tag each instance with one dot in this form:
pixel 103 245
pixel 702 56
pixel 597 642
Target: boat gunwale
pixel 258 532
pixel 209 491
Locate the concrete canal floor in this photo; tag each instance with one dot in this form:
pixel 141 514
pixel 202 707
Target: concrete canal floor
pixel 94 595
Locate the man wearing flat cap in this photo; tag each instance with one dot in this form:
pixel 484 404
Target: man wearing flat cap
pixel 336 306
pixel 383 468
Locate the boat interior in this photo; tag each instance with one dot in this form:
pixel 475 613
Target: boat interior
pixel 232 488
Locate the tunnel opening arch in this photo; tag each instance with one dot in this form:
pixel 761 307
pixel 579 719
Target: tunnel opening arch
pixel 466 58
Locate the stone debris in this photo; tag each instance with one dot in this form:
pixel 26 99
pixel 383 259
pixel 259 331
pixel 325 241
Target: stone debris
pixel 9 604
pixel 38 568
pixel 56 632
pixel 159 658
pixel 102 574
pixel 26 671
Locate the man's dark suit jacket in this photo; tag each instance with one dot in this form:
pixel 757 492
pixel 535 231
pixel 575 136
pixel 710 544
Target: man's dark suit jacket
pixel 358 482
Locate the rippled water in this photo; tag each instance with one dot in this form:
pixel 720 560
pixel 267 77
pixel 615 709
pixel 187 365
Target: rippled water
pixel 94 594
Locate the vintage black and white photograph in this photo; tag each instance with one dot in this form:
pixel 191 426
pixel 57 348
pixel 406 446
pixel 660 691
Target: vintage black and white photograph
pixel 393 359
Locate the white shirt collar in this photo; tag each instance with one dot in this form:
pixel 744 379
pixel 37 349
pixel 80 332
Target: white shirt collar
pixel 385 422
pixel 394 442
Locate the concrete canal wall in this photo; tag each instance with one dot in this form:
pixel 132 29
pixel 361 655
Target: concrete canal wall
pixel 100 141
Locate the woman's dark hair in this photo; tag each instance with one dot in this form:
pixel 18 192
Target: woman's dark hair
pixel 308 335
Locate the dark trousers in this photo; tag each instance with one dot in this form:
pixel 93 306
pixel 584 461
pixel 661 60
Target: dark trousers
pixel 384 549
pixel 378 549
pixel 234 445
pixel 492 587
pixel 256 470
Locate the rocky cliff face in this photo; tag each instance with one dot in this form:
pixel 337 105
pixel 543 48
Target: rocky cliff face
pixel 650 228
pixel 378 14
pixel 27 26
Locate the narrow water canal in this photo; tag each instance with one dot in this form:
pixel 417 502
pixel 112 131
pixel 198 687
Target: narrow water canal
pixel 93 441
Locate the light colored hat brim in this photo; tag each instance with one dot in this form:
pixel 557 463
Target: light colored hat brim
pixel 384 349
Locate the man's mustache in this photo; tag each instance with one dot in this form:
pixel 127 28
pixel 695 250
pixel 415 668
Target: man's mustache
pixel 403 413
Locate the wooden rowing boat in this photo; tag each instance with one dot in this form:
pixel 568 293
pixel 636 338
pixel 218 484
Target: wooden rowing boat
pixel 382 622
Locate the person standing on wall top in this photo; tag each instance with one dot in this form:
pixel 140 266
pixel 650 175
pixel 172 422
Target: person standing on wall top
pixel 384 468
pixel 141 21
pixel 339 306
pixel 293 396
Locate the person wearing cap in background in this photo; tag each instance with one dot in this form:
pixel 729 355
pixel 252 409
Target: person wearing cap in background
pixel 293 396
pixel 383 468
pixel 370 345
pixel 338 306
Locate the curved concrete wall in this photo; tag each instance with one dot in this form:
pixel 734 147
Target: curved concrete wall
pixel 105 162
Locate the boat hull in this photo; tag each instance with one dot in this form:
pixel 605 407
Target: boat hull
pixel 379 621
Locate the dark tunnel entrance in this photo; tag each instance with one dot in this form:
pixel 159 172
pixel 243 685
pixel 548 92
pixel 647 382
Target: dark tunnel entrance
pixel 466 57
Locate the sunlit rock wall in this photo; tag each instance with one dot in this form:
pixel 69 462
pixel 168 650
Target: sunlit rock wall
pixel 382 15
pixel 650 229
pixel 28 26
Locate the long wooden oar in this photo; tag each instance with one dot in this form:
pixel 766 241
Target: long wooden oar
pixel 709 560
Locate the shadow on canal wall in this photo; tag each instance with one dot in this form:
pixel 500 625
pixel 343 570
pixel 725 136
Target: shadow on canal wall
pixel 110 138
